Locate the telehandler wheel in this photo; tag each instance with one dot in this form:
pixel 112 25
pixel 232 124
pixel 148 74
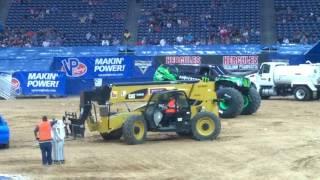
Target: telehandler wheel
pixel 205 126
pixel 252 102
pixel 302 93
pixel 134 130
pixel 112 135
pixel 230 102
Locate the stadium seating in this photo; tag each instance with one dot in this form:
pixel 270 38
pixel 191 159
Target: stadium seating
pixel 61 19
pixel 111 15
pixel 294 18
pixel 240 14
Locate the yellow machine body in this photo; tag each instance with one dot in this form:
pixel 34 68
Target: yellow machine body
pixel 202 94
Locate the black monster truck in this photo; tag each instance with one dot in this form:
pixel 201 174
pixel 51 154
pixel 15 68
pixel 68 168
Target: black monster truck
pixel 235 93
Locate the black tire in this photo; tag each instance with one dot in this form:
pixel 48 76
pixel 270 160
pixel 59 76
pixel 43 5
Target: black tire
pixel 184 133
pixel 254 101
pixel 233 99
pixel 302 93
pixel 202 126
pixel 265 97
pixel 112 135
pixel 4 146
pixel 134 130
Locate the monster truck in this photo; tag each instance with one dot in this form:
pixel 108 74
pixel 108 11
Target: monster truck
pixel 236 93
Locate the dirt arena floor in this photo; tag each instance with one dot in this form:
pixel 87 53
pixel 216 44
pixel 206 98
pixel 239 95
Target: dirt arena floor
pixel 280 141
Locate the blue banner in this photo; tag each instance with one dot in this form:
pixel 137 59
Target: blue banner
pixel 109 67
pixel 38 83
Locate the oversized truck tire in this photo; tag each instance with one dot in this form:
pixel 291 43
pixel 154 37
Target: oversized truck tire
pixel 205 126
pixel 265 97
pixel 230 102
pixel 134 130
pixel 112 135
pixel 252 102
pixel 302 93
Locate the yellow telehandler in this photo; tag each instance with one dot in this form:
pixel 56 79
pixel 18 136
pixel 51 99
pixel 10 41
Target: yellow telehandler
pixel 195 110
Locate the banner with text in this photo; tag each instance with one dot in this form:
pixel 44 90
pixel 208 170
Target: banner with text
pixel 234 63
pixel 112 67
pixel 38 83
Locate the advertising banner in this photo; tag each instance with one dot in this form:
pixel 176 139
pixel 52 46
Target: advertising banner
pixel 111 67
pixel 142 67
pixel 241 63
pixel 233 63
pixel 38 83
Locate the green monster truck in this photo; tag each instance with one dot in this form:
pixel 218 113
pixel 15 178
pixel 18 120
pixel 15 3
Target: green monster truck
pixel 236 94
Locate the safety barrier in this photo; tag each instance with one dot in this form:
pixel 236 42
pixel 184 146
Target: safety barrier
pixel 6 91
pixel 63 71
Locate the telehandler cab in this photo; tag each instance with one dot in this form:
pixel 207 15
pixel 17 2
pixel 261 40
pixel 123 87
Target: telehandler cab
pixel 196 111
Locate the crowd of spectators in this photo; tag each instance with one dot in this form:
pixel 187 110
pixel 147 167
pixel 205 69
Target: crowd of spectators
pixel 225 34
pixel 166 16
pixel 161 19
pixel 298 37
pixel 37 13
pixel 104 39
pixel 41 12
pixel 22 38
pixel 230 34
pixel 288 15
pixel 85 18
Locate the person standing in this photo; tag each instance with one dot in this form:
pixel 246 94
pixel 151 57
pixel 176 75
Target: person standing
pixel 42 133
pixel 126 35
pixel 58 142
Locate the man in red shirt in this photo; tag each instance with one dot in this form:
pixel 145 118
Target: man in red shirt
pixel 169 112
pixel 171 106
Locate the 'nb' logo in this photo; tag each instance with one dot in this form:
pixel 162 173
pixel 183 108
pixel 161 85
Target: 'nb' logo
pixel 73 67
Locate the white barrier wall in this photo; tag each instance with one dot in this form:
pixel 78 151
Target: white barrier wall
pixel 5 86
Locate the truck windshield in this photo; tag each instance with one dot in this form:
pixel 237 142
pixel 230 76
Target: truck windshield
pixel 265 68
pixel 221 70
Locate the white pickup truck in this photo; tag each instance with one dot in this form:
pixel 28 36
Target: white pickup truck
pixel 281 79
